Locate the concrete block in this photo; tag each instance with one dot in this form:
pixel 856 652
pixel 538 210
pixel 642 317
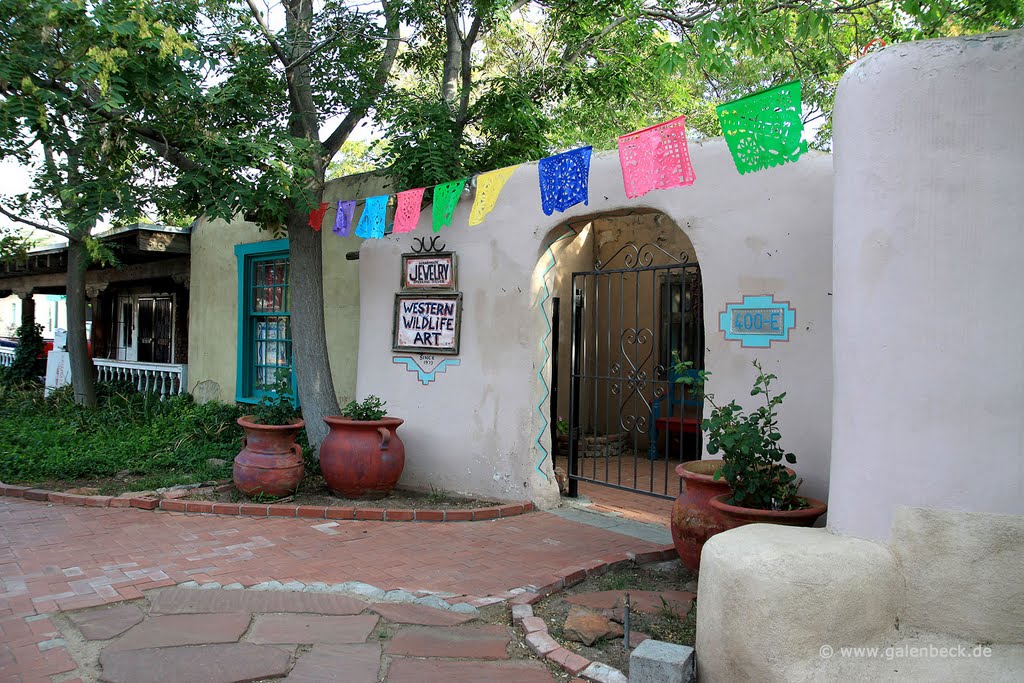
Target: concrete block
pixel 655 661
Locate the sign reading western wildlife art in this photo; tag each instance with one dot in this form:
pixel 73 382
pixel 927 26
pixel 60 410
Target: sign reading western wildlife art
pixel 427 323
pixel 428 271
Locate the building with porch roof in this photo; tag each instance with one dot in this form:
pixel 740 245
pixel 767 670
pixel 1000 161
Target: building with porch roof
pixel 138 309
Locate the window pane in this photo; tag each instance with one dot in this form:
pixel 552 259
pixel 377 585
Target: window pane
pixel 266 328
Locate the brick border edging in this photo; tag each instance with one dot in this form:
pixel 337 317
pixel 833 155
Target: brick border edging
pixel 271 509
pixel 535 629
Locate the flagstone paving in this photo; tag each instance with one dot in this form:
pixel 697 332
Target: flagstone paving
pixel 61 559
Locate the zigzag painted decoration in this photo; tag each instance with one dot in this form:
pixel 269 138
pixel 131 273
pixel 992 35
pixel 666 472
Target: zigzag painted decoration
pixel 425 376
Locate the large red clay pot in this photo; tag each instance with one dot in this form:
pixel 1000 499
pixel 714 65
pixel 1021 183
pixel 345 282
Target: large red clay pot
pixel 694 521
pixel 270 462
pixel 362 459
pixel 738 516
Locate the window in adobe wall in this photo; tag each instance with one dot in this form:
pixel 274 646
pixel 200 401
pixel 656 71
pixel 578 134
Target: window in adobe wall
pixel 264 319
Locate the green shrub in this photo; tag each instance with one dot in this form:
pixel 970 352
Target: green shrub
pixel 370 410
pixel 277 406
pixel 161 442
pixel 27 367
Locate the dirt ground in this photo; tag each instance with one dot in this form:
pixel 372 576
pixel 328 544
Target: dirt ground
pixel 313 491
pixel 666 625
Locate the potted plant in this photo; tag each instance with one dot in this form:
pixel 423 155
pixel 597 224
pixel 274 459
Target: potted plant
pixel 362 456
pixel 761 487
pixel 270 462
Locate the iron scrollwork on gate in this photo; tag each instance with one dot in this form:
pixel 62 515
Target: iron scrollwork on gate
pixel 631 315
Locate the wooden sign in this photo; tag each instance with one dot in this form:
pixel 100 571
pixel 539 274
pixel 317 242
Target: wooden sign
pixel 427 323
pixel 428 271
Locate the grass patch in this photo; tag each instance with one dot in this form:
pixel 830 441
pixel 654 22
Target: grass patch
pixel 149 442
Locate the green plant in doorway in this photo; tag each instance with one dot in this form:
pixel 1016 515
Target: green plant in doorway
pixel 753 459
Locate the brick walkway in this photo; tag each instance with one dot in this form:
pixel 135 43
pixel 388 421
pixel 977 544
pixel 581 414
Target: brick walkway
pixel 64 558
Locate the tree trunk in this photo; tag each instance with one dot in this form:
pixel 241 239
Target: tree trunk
pixel 309 334
pixel 82 379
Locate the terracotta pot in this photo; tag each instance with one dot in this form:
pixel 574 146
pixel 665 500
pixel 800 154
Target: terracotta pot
pixel 694 521
pixel 270 462
pixel 362 459
pixel 740 515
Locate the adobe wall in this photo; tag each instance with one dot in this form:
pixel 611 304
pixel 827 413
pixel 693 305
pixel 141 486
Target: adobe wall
pixel 478 427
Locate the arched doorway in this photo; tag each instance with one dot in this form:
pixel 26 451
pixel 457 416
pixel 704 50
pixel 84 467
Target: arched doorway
pixel 631 302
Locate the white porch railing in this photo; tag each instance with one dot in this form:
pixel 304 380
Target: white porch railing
pixel 165 379
pixel 6 357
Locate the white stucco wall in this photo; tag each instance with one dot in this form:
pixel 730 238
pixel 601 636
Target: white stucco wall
pixel 474 428
pixel 929 368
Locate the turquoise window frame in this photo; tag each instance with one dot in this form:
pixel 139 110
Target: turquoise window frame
pixel 247 255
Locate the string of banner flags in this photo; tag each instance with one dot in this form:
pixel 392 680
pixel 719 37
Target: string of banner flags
pixel 762 130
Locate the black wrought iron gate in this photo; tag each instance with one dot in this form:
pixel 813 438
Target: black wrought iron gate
pixel 631 421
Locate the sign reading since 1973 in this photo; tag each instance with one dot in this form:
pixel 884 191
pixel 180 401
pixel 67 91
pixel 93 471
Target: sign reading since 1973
pixel 427 323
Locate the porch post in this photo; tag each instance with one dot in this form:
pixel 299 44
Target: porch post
pixel 98 337
pixel 28 308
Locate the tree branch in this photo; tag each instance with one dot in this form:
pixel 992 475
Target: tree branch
pixel 289 66
pixel 467 68
pixel 255 12
pixel 338 136
pixel 33 224
pixel 569 56
pixel 153 138
pixel 452 53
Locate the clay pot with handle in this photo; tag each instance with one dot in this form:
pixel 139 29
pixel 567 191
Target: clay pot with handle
pixel 362 458
pixel 270 462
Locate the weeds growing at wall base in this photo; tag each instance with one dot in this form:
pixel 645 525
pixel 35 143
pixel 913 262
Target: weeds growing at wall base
pixel 130 442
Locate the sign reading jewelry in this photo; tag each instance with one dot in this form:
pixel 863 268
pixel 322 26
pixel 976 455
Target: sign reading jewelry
pixel 428 271
pixel 427 323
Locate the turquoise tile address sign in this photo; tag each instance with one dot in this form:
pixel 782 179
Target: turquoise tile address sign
pixel 757 321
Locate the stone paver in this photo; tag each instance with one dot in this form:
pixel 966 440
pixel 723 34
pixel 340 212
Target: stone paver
pixel 649 602
pixel 186 601
pixel 468 642
pixel 419 614
pixel 183 629
pixel 309 629
pixel 106 622
pixel 602 673
pixel 63 558
pixel 234 663
pixel 342 663
pixel 586 626
pixel 404 670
